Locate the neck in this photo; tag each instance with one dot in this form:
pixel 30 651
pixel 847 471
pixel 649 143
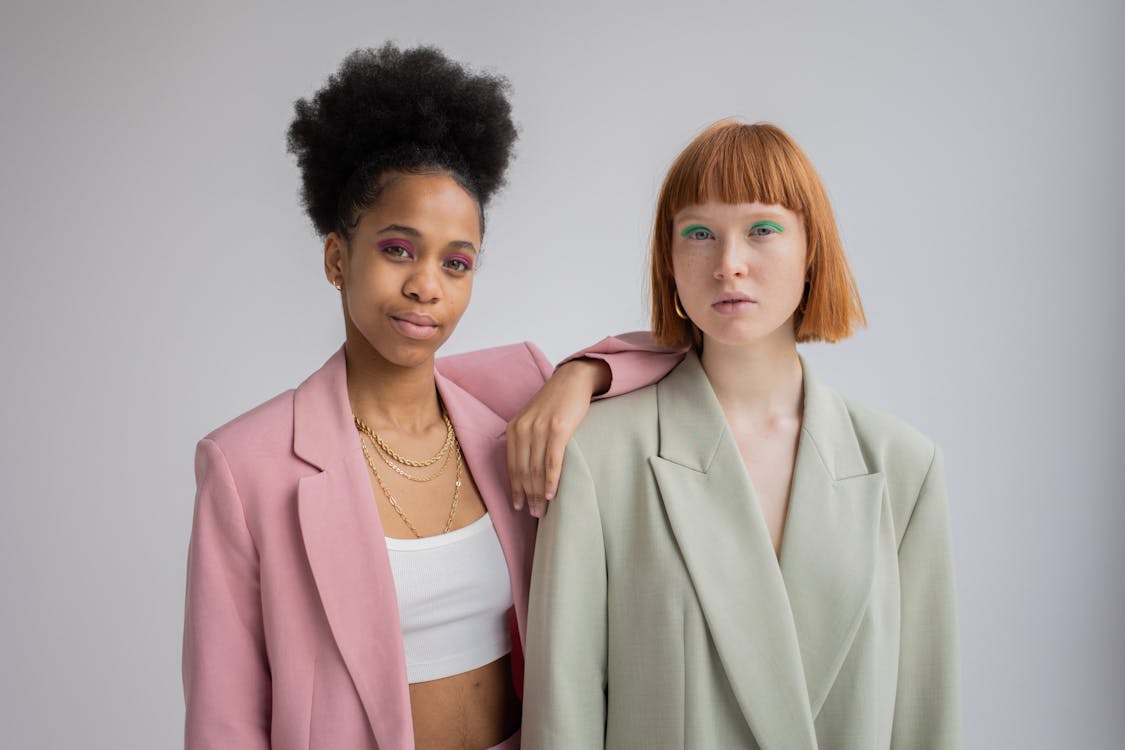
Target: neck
pixel 390 396
pixel 762 380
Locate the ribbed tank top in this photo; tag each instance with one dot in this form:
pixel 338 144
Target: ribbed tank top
pixel 454 593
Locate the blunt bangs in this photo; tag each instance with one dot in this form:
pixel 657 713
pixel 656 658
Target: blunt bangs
pixel 735 163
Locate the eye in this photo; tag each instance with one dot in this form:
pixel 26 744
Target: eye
pixel 697 232
pixel 396 251
pixel 459 263
pixel 765 229
pixel 396 248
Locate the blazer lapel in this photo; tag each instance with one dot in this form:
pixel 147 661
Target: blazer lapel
pixel 728 554
pixel 828 548
pixel 481 433
pixel 344 542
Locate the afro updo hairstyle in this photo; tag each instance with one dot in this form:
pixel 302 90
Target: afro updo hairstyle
pixel 387 109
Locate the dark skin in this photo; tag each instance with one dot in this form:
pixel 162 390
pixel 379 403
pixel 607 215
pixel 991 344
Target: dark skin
pixel 405 275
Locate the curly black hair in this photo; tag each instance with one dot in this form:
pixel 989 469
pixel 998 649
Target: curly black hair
pixel 389 109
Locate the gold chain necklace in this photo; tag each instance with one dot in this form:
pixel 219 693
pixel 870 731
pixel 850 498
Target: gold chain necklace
pixel 398 508
pixel 449 438
pixel 385 451
pixel 427 478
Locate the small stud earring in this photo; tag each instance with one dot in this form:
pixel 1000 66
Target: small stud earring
pixel 338 285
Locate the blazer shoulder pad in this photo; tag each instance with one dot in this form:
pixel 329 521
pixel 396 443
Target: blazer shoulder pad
pixel 614 424
pixel 262 430
pixel 897 449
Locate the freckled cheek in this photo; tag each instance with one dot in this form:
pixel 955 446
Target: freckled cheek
pixel 690 269
pixel 788 295
pixel 780 275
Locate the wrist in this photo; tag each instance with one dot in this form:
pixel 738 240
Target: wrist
pixel 594 373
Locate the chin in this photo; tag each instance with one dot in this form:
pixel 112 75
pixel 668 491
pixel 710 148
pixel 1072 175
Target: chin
pixel 741 334
pixel 403 352
pixel 411 355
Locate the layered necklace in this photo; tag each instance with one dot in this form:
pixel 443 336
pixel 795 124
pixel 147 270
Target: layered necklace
pixel 399 464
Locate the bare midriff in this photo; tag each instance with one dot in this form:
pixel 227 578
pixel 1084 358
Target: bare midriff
pixel 473 710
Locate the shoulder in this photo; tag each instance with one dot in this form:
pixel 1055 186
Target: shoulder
pixel 265 425
pixel 522 361
pixel 503 378
pixel 896 449
pixel 253 451
pixel 888 439
pixel 605 472
pixel 622 425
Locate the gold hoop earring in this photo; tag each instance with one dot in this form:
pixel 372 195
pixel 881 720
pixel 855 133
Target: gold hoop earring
pixel 677 307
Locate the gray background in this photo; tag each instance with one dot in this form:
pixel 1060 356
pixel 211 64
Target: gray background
pixel 159 278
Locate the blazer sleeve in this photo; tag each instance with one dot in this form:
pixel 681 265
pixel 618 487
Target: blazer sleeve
pixel 504 378
pixel 225 667
pixel 565 682
pixel 928 701
pixel 635 360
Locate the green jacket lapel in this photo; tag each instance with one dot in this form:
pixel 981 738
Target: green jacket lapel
pixel 729 557
pixel 828 548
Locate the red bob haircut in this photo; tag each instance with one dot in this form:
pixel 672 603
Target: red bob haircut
pixel 732 162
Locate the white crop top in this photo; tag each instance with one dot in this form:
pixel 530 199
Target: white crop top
pixel 454 594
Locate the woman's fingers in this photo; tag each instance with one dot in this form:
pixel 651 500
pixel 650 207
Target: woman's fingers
pixel 553 453
pixel 518 462
pixel 537 436
pixel 535 500
pixel 535 452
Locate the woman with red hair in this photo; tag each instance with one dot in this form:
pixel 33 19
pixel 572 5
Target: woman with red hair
pixel 742 557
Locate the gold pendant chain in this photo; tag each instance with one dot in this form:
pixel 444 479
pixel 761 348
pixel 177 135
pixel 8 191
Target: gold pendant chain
pixel 450 446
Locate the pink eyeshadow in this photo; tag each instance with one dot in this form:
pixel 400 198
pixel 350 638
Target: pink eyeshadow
pixel 399 242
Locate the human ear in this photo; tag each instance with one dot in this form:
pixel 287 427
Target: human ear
pixel 335 260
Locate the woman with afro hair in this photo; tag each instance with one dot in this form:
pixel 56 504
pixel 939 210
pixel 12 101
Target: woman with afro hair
pixel 359 567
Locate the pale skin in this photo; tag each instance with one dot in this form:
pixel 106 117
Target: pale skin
pixel 740 273
pixel 405 274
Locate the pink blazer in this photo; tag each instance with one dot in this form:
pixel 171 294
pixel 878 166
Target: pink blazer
pixel 291 630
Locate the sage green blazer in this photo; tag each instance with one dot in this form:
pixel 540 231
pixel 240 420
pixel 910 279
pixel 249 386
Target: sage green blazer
pixel 661 618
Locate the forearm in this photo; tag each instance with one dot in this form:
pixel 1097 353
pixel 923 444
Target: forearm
pixel 634 359
pixel 587 375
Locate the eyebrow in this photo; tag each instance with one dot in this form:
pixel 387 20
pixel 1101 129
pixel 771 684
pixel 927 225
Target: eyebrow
pixel 400 229
pixel 412 232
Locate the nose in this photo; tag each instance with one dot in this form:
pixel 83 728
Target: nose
pixel 732 260
pixel 424 284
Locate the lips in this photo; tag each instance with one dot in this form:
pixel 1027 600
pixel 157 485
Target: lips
pixel 733 303
pixel 414 325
